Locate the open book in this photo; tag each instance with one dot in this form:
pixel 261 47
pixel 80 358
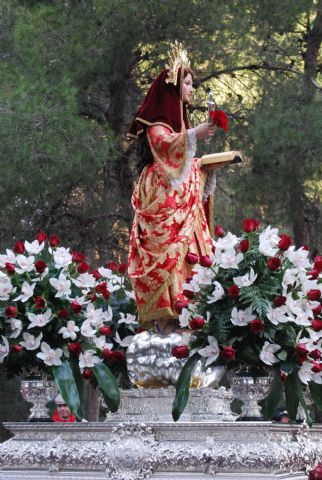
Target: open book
pixel 223 157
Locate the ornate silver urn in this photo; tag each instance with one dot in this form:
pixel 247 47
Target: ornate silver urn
pixel 38 389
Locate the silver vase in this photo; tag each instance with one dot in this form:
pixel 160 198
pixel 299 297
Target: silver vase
pixel 38 389
pixel 250 386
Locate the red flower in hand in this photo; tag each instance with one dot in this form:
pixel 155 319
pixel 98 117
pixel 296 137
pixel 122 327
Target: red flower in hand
pixel 219 118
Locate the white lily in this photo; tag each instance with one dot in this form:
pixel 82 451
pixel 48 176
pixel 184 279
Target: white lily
pixel 100 343
pixel 85 280
pixel 245 280
pixel 125 342
pixel 40 319
pixel 242 317
pixel 27 292
pixel 16 327
pixel 50 356
pixel 70 331
pixel 267 353
pixel 6 287
pixel 62 257
pixel 211 352
pixel 88 359
pixel 4 349
pixel 128 319
pixel 94 315
pixel 30 342
pixel 87 329
pixel 25 264
pixel 62 285
pixel 34 247
pixel 8 257
pixel 217 294
pixel 299 257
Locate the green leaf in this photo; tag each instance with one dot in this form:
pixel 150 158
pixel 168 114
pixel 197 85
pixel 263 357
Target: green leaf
pixel 316 393
pixel 67 387
pixel 282 355
pixel 294 396
pixel 182 387
pixel 270 403
pixel 107 383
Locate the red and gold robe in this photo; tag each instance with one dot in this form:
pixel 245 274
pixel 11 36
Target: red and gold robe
pixel 169 221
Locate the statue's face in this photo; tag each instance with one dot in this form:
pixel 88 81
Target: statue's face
pixel 187 89
pixel 64 411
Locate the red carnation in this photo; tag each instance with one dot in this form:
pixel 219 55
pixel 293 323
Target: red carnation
pixel 19 247
pixel 181 351
pixel 318 263
pixel 11 311
pixel 122 268
pixel 63 313
pixel 112 266
pixel 54 241
pixel 10 267
pixel 197 323
pixel 205 261
pixel 188 293
pixel 244 245
pixel 256 326
pixel 314 295
pixel 41 237
pixel 96 274
pixel 279 301
pixel 219 231
pixel 75 348
pixel 233 292
pixel 285 242
pixel 250 225
pixel 87 373
pixel 40 266
pixel 219 118
pixel 76 307
pixel 301 352
pixel 274 263
pixel 78 257
pixel 179 306
pixel 192 258
pixel 106 330
pixel 39 302
pixel 16 348
pixel 228 353
pixel 316 324
pixel 83 267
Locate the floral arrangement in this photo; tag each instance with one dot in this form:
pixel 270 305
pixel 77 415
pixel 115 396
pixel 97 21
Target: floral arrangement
pixel 257 305
pixel 58 317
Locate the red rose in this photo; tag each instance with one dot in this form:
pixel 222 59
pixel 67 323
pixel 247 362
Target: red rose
pixel 192 258
pixel 314 295
pixel 122 268
pixel 118 356
pixel 76 307
pixel 316 324
pixel 256 326
pixel 313 273
pixel 301 352
pixel 219 231
pixel 279 301
pixel 318 263
pixel 205 261
pixel 106 330
pixel 219 118
pixel 54 241
pixel 285 242
pixel 306 248
pixel 11 312
pixel 316 473
pixel 140 330
pixel 39 302
pixel 317 310
pixel 82 267
pixel 41 237
pixel 197 323
pixel 179 306
pixel 63 313
pixel 75 348
pixel 188 293
pixel 244 245
pixel 40 266
pixel 19 247
pixel 181 351
pixel 107 354
pixel 96 274
pixel 274 263
pixel 87 373
pixel 283 375
pixel 250 225
pixel 317 367
pixel 112 266
pixel 10 267
pixel 315 354
pixel 101 287
pixel 233 292
pixel 91 296
pixel 228 353
pixel 16 348
pixel 78 257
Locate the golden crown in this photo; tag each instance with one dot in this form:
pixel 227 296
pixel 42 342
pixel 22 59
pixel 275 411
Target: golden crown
pixel 177 58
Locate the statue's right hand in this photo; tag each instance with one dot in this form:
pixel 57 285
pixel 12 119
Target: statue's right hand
pixel 205 130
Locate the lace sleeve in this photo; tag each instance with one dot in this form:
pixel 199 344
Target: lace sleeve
pixel 191 151
pixel 210 185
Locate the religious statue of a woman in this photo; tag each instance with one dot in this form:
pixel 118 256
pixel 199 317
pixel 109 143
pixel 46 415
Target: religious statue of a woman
pixel 170 223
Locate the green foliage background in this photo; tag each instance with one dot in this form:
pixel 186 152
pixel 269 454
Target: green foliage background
pixel 74 71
